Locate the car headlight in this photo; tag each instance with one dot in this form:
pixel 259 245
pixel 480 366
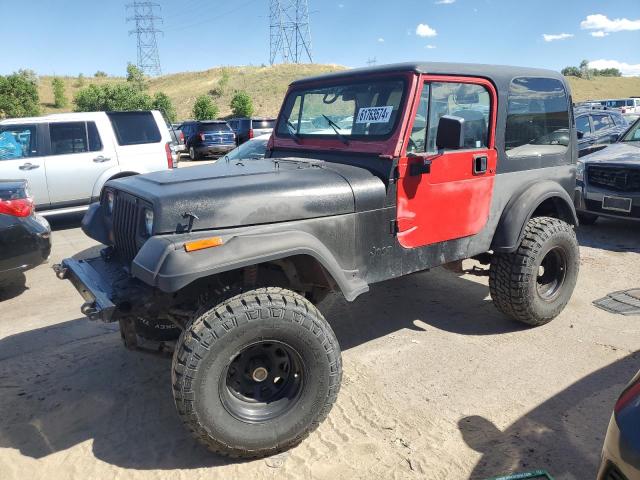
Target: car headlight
pixel 580 171
pixel 148 221
pixel 110 199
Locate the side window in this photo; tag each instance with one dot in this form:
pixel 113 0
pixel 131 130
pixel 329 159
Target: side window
pixel 582 124
pixel 17 141
pixel 95 144
pixel 537 118
pixel 418 138
pixel 600 122
pixel 468 101
pixel 68 138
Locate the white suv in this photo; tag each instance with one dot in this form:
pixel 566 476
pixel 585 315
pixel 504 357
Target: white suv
pixel 68 157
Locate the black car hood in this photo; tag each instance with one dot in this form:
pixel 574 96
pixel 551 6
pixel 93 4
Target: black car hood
pixel 617 153
pixel 250 192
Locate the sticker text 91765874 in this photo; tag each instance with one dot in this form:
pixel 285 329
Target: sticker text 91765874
pixel 374 115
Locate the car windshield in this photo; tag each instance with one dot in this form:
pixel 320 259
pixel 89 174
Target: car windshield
pixel 254 148
pixel 633 135
pixel 359 110
pixel 214 127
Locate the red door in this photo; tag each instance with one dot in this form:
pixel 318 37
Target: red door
pixel 445 195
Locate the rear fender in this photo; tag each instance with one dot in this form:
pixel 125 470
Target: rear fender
pixel 163 262
pixel 549 194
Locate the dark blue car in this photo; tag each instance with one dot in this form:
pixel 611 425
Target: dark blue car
pixel 208 138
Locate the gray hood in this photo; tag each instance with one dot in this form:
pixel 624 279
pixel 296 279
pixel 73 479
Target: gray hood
pixel 619 153
pixel 250 192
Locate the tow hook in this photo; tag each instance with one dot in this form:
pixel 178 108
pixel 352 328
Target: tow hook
pixel 89 309
pixel 60 271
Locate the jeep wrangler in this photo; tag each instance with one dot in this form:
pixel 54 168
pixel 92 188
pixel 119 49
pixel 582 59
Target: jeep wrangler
pixel 369 175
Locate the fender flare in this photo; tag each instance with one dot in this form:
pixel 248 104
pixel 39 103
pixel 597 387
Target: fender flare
pixel 519 211
pixel 162 262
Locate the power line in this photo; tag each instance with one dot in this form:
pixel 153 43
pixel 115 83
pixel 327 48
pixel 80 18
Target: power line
pixel 145 30
pixel 289 31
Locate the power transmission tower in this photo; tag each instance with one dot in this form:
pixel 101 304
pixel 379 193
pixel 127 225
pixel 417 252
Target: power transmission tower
pixel 290 36
pixel 145 21
pixel 372 61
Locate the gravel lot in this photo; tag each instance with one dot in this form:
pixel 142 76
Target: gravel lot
pixel 437 383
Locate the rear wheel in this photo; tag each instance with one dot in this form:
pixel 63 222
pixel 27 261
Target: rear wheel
pixel 193 155
pixel 534 283
pixel 257 373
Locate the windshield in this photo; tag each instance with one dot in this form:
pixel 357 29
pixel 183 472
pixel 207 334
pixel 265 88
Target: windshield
pixel 214 127
pixel 633 135
pixel 360 110
pixel 254 148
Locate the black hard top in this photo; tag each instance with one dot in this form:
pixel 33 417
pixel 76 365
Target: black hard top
pixel 499 74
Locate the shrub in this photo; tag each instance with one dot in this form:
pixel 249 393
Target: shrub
pixel 241 104
pixel 117 97
pixel 136 77
pixel 60 99
pixel 162 102
pixel 80 81
pixel 19 95
pixel 100 74
pixel 204 108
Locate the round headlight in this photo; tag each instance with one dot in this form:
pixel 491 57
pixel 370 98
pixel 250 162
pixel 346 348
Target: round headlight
pixel 148 222
pixel 110 199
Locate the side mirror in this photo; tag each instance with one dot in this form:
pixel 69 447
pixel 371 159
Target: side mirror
pixel 450 134
pixel 580 134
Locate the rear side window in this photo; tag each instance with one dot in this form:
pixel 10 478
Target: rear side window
pixel 17 141
pixel 134 128
pixel 74 137
pixel 537 117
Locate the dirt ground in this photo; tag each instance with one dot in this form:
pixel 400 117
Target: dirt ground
pixel 437 384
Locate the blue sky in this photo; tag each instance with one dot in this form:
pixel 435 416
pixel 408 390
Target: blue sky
pixel 67 37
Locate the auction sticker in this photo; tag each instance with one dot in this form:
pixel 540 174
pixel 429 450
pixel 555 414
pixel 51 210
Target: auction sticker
pixel 374 115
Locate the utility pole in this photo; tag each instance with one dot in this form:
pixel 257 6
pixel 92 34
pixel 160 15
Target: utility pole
pixel 289 31
pixel 372 61
pixel 145 21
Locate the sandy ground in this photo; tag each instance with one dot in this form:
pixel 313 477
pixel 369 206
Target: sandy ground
pixel 437 384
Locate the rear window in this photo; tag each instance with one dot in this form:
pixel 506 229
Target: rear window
pixel 537 117
pixel 13 190
pixel 264 123
pixel 214 127
pixel 134 128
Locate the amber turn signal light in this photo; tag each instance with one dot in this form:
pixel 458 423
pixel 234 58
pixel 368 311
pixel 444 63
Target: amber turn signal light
pixel 202 244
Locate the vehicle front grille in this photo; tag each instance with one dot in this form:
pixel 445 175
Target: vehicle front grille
pixel 614 474
pixel 620 179
pixel 125 225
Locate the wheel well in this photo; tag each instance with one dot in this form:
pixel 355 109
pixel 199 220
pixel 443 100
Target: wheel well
pixel 123 174
pixel 555 207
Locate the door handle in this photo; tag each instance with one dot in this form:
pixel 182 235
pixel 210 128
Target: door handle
pixel 28 166
pixel 101 159
pixel 479 164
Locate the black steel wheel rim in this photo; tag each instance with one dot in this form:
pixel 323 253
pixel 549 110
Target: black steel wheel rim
pixel 552 273
pixel 262 382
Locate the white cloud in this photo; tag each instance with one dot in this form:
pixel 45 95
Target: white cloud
pixel 550 37
pixel 380 40
pixel 424 30
pixel 430 47
pixel 341 5
pixel 602 23
pixel 445 2
pixel 599 34
pixel 626 68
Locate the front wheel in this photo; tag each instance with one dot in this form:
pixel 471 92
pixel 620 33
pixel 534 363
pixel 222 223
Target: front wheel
pixel 254 375
pixel 534 283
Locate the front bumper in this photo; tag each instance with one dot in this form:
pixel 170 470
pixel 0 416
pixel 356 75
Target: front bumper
pixel 589 199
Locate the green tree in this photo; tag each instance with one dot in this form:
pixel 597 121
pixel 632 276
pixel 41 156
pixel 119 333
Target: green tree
pixel 585 71
pixel 60 99
pixel 117 97
pixel 607 72
pixel 100 74
pixel 162 102
pixel 136 77
pixel 241 104
pixel 204 108
pixel 80 81
pixel 571 72
pixel 19 95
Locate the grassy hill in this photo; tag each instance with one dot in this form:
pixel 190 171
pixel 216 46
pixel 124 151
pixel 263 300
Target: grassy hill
pixel 267 86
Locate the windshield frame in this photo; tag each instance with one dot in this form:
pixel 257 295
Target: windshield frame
pixel 289 103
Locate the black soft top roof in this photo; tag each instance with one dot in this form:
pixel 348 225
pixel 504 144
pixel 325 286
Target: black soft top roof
pixel 498 74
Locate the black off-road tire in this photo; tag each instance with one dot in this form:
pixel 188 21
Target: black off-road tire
pixel 204 372
pixel 156 329
pixel 587 218
pixel 515 280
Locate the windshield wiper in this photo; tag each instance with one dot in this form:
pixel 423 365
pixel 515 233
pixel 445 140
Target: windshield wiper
pixel 336 127
pixel 292 131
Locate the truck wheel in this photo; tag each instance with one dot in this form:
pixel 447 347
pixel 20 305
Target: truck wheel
pixel 587 218
pixel 192 154
pixel 534 283
pixel 254 375
pixel 156 329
